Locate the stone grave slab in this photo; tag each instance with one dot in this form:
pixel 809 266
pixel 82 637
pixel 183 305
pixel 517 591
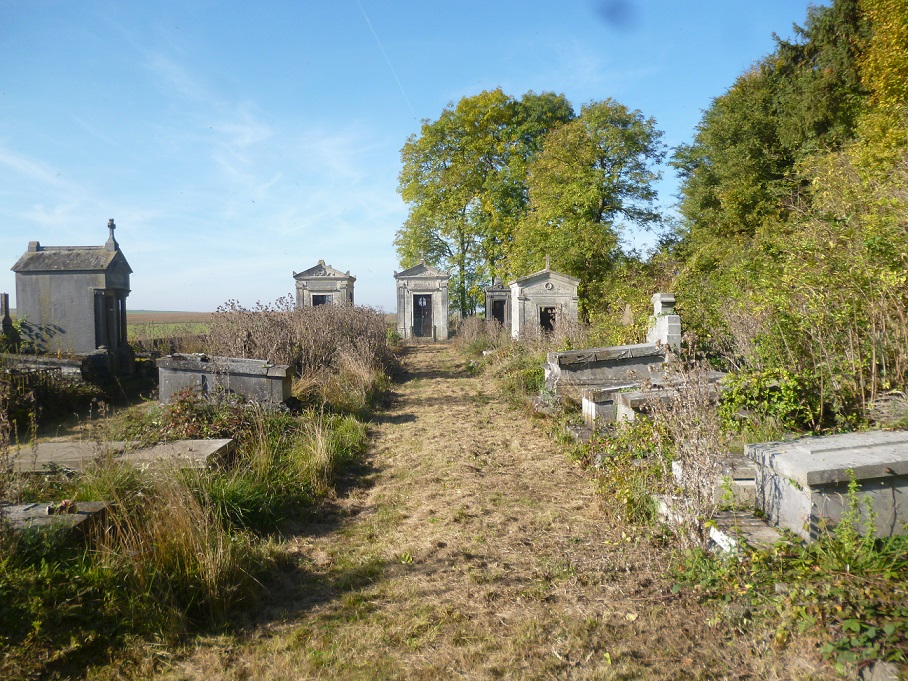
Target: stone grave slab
pixel 43 457
pixel 803 485
pixel 254 379
pixel 24 517
pixel 570 371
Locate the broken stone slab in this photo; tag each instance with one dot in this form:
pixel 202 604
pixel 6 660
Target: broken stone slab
pixel 24 517
pixel 731 531
pixel 568 371
pixel 802 485
pixel 255 379
pixel 728 531
pixel 629 405
pixel 598 402
pixel 45 457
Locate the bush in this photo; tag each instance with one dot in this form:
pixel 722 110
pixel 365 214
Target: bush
pixel 628 470
pixel 341 353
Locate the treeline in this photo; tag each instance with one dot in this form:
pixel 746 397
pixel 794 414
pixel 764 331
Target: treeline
pixel 790 256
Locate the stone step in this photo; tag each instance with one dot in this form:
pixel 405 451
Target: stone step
pixel 729 531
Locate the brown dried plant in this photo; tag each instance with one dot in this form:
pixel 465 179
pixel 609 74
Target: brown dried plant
pixel 691 438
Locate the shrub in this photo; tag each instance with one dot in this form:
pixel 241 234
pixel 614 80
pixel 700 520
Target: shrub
pixel 625 458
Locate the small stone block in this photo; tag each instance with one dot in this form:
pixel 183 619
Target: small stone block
pixel 24 517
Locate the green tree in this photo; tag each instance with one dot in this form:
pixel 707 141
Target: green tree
pixel 592 175
pixel 463 178
pixel 746 178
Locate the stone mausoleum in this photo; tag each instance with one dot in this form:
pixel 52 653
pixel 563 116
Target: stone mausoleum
pixel 422 302
pixel 73 300
pixel 538 299
pixel 323 285
pixel 498 303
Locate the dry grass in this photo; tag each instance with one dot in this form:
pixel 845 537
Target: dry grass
pixel 475 549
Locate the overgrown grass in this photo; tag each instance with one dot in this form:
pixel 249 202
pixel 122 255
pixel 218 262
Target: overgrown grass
pixel 341 354
pixel 179 549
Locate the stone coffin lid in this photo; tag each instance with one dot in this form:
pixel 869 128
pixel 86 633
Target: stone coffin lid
pixel 235 366
pixel 70 259
pixel 617 352
pixel 825 460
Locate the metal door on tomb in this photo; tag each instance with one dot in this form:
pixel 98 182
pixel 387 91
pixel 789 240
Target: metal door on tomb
pixel 422 315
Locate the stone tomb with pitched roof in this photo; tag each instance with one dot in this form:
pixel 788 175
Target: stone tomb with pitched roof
pixel 539 299
pixel 422 302
pixel 73 300
pixel 323 285
pixel 498 303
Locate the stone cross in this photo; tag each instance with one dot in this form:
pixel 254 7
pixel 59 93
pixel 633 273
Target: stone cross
pixel 548 261
pixel 111 244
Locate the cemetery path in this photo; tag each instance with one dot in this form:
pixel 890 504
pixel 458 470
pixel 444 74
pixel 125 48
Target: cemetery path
pixel 474 549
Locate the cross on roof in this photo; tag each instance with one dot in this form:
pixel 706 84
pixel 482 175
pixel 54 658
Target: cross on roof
pixel 111 244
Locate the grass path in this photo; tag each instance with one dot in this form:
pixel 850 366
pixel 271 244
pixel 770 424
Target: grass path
pixel 472 548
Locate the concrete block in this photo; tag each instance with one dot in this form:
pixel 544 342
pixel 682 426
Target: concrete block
pixel 598 403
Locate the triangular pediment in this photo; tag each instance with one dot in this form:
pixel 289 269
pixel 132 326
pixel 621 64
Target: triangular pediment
pixel 422 270
pixel 323 270
pixel 546 275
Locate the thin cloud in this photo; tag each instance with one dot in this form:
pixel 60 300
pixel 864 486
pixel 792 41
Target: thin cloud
pixel 32 169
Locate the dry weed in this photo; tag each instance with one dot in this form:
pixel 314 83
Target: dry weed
pixel 691 436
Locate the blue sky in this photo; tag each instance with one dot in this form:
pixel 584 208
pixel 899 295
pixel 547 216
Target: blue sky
pixel 235 143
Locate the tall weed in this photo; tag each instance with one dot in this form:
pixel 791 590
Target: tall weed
pixel 691 436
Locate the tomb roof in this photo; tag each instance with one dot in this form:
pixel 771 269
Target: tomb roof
pixel 68 259
pixel 323 270
pixel 421 269
pixel 543 275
